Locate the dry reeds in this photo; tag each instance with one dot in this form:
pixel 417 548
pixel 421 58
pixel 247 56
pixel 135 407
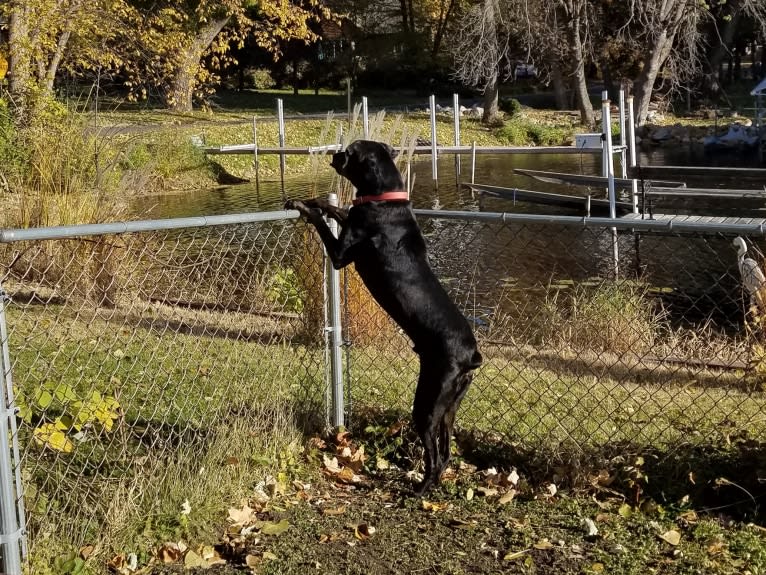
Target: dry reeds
pixel 366 321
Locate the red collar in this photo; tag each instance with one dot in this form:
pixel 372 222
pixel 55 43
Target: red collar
pixel 392 196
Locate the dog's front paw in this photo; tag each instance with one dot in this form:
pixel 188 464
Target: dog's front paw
pixel 304 210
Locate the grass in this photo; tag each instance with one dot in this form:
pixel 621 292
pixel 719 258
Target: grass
pixel 198 416
pixel 208 411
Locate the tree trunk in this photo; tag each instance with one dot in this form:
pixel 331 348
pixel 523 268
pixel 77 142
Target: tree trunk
pixel 581 83
pixel 53 64
pixel 181 90
pixel 491 95
pixel 441 29
pixel 20 65
pixel 644 84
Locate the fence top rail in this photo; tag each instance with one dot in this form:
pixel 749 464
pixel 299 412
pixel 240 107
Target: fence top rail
pixel 666 225
pixel 249 149
pixel 64 232
pixel 661 225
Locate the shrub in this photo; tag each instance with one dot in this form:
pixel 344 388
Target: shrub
pixel 510 106
pixel 259 79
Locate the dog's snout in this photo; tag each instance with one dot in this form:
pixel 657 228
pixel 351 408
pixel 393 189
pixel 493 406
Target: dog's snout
pixel 338 160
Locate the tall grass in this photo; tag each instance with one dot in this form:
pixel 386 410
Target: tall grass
pixel 606 317
pixel 60 174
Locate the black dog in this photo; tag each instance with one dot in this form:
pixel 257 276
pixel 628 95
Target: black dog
pixel 380 236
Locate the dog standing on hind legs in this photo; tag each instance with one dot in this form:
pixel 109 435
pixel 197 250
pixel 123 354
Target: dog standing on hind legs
pixel 380 236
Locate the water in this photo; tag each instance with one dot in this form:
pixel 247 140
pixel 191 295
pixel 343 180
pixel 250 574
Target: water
pixel 694 276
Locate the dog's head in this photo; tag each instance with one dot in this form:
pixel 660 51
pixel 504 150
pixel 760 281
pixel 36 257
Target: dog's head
pixel 369 166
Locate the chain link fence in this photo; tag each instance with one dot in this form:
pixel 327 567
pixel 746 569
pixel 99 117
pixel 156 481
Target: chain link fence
pixel 151 358
pixel 659 350
pixel 148 360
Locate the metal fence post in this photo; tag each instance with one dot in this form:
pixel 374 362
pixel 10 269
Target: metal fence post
pixel 11 499
pixel 434 144
pixel 281 122
pixel 336 337
pixel 365 119
pixel 606 119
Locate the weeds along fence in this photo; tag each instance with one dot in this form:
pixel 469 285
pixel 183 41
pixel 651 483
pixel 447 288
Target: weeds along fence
pixel 145 355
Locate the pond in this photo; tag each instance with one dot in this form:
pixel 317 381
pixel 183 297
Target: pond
pixel 695 276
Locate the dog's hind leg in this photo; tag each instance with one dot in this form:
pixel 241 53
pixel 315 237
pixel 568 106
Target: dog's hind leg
pixel 434 395
pixel 447 424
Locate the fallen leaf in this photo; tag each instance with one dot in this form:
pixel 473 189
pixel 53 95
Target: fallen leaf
pixel 343 438
pixel 317 443
pixel 590 527
pixel 270 528
pixel 116 563
pixel 515 555
pixel 331 464
pixel 602 517
pixel 232 461
pixel 241 516
pixel 513 478
pixel 191 560
pixel 86 551
pixel 673 537
pixel 597 567
pixel 507 497
pixel 252 561
pixel 689 516
pixel 334 511
pixel 434 506
pixel 552 489
pixel 625 510
pixel 347 475
pixel 185 507
pixel 268 556
pixel 487 491
pixel 169 553
pixel 363 531
pixel 381 464
pixel 543 544
pixel 469 494
pixel 461 524
pixel 716 547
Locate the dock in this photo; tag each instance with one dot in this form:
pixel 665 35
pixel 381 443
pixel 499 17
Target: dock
pixel 694 220
pixel 550 199
pixel 584 180
pixel 683 172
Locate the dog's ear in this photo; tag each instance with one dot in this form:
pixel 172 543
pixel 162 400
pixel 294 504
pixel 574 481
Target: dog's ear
pixel 391 151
